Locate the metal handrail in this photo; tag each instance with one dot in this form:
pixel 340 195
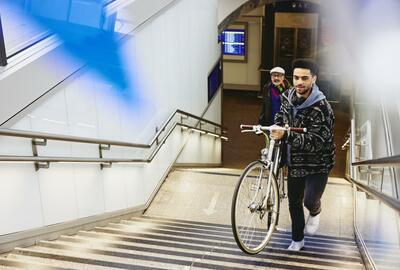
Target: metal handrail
pixel 380 162
pixel 56 137
pixel 346 144
pixel 389 201
pixel 48 136
pixel 201 119
pixel 66 159
pixel 3 55
pixel 12 158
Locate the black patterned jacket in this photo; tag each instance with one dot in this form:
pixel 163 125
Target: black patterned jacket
pixel 312 152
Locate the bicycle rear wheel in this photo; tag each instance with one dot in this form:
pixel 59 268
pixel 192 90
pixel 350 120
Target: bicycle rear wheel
pixel 253 213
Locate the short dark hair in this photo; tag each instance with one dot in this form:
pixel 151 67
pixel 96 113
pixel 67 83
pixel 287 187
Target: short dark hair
pixel 307 64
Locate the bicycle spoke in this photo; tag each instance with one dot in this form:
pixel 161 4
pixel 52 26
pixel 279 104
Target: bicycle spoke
pixel 246 237
pixel 253 212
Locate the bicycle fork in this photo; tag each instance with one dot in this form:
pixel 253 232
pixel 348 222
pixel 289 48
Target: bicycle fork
pixel 262 208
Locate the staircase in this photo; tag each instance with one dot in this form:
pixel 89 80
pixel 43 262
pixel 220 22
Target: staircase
pixel 379 231
pixel 150 242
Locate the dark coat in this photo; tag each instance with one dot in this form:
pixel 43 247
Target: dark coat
pixel 265 117
pixel 312 152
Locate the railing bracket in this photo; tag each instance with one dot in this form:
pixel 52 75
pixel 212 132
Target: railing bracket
pixel 183 117
pixel 39 142
pixel 105 165
pixel 101 148
pixel 42 165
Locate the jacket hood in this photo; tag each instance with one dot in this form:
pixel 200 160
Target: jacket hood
pixel 315 96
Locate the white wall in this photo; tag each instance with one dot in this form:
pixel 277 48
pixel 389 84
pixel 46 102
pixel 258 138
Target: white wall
pixel 226 7
pixel 170 57
pixel 245 75
pixel 203 149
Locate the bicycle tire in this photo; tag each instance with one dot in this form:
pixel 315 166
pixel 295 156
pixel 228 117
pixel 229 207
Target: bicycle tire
pixel 252 229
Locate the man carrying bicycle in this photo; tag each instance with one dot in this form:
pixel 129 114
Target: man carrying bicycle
pixel 311 155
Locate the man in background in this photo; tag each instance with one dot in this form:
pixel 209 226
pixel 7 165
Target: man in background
pixel 271 94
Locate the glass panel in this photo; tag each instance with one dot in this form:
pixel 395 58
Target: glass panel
pixel 387 184
pixel 285 47
pixel 372 141
pixel 26 22
pixel 392 112
pixel 379 226
pixel 304 43
pixel 19 32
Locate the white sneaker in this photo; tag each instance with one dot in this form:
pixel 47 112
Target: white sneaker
pixel 296 246
pixel 312 224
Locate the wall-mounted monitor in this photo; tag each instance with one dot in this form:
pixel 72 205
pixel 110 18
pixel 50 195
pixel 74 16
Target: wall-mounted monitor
pixel 234 42
pixel 214 80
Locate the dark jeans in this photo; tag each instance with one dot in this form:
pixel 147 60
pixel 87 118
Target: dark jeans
pixel 309 188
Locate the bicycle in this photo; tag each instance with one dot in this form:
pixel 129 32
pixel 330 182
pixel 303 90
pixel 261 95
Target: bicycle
pixel 256 199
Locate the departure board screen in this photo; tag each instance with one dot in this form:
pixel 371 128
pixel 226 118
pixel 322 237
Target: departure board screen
pixel 233 42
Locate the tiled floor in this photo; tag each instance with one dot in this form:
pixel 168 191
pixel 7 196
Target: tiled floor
pixel 206 195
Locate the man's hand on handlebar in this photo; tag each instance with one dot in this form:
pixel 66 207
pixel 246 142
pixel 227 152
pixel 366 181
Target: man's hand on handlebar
pixel 277 134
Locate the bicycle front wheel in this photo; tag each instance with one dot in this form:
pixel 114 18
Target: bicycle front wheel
pixel 254 213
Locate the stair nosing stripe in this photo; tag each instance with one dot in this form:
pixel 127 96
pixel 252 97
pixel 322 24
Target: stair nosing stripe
pixel 24 265
pixel 204 242
pixel 229 233
pixel 203 247
pixel 185 253
pixel 230 227
pixel 181 261
pixel 75 259
pixel 132 266
pixel 225 238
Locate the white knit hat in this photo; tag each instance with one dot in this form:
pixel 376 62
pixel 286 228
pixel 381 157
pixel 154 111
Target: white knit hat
pixel 277 70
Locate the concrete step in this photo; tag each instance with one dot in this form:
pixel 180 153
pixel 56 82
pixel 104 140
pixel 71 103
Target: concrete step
pixel 160 243
pixel 14 262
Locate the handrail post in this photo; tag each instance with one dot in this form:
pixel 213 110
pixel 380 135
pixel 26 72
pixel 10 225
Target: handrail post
pixel 3 55
pixel 101 148
pixel 105 165
pixel 37 142
pixel 183 117
pixel 157 135
pixel 382 177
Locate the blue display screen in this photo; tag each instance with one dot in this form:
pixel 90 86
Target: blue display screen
pixel 214 80
pixel 233 42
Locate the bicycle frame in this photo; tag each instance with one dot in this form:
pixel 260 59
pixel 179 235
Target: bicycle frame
pixel 273 157
pixel 272 161
pixel 257 196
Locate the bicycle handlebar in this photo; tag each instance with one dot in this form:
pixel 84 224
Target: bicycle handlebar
pixel 259 128
pixel 297 129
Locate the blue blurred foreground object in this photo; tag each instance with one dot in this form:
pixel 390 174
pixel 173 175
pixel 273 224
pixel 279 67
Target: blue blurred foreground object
pixel 87 33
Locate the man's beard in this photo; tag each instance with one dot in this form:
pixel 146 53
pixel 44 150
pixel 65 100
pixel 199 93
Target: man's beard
pixel 302 91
